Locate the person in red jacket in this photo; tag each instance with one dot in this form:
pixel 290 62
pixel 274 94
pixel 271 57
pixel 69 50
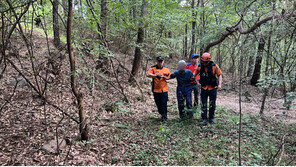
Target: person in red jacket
pixel 192 66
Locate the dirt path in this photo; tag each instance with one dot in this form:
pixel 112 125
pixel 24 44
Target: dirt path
pixel 229 100
pixel 273 107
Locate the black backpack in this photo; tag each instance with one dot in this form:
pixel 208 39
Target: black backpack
pixel 208 78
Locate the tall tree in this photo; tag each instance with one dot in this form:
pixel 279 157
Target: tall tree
pixel 103 17
pixel 193 28
pixel 140 39
pixel 102 61
pixel 134 9
pixel 55 25
pixel 250 65
pixel 257 70
pixel 185 47
pixel 266 70
pixel 202 24
pixel 79 96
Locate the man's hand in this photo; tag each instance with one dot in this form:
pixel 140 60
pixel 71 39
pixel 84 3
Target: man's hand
pixel 193 81
pixel 159 76
pixel 219 87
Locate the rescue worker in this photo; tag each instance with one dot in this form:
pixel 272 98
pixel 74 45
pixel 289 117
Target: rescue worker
pixel 159 75
pixel 184 88
pixel 192 66
pixel 209 71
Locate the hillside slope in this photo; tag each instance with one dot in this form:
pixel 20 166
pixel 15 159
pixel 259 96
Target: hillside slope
pixel 127 133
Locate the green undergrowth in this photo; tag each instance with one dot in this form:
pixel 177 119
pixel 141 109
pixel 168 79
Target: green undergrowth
pixel 186 142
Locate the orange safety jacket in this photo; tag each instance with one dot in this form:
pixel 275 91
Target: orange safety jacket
pixel 159 85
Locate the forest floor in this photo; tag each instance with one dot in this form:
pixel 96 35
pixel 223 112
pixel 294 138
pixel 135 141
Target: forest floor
pixel 131 134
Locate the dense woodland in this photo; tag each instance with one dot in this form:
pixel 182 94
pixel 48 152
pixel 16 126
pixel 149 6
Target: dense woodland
pixel 74 91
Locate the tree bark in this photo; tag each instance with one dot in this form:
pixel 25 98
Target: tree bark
pixel 102 62
pixel 250 65
pixel 186 41
pixel 103 16
pixel 240 103
pixel 79 96
pixel 266 71
pixel 219 56
pixel 56 29
pixel 133 9
pixel 257 70
pixel 202 27
pixel 140 39
pixel 193 29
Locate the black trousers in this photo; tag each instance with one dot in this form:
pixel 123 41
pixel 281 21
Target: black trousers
pixel 204 94
pixel 161 100
pixel 195 92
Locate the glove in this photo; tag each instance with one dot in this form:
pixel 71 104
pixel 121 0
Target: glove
pixel 173 76
pixel 158 76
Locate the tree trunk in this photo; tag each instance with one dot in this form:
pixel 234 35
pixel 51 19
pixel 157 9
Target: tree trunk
pixel 257 70
pixel 242 52
pixel 219 56
pixel 133 9
pixel 202 26
pixel 186 41
pixel 266 72
pixel 250 65
pixel 103 17
pixel 193 29
pixel 79 96
pixel 138 54
pixel 102 61
pixel 56 30
pixel 140 39
pixel 282 76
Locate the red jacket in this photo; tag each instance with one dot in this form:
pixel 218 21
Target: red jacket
pixel 192 68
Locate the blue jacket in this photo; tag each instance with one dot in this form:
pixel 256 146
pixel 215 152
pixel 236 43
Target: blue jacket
pixel 183 79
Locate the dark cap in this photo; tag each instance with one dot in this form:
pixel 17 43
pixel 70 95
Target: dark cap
pixel 160 58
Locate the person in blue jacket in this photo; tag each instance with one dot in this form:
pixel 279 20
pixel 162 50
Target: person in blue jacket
pixel 185 79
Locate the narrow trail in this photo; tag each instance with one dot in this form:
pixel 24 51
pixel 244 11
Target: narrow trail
pixel 228 99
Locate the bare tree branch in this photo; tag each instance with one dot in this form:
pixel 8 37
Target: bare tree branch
pixel 39 93
pixel 239 28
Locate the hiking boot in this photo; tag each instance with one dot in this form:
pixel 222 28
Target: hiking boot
pixel 182 116
pixel 212 121
pixel 190 115
pixel 204 122
pixel 163 119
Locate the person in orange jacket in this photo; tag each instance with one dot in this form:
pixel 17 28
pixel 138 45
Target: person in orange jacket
pixel 159 75
pixel 208 71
